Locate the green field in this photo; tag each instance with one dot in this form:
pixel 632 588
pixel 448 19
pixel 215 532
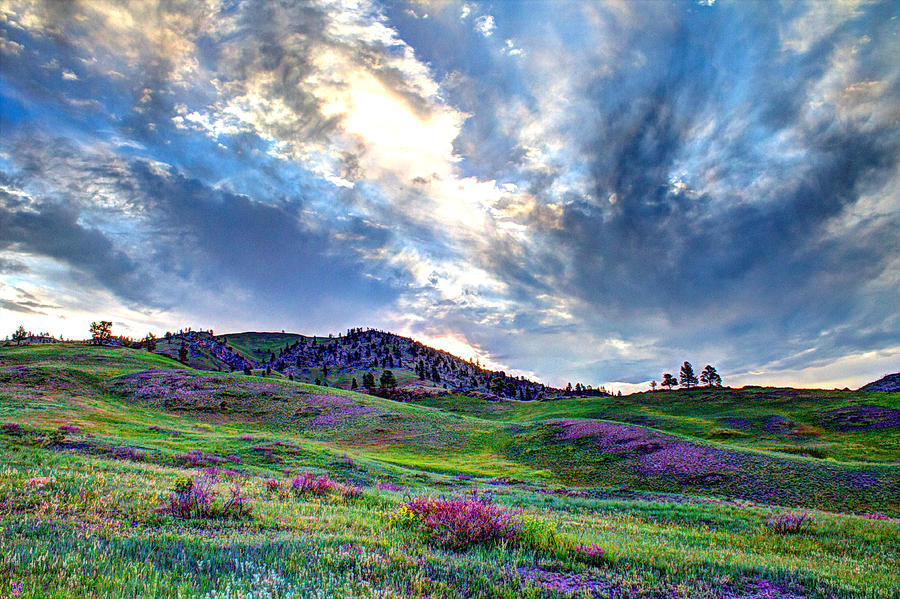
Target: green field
pixel 679 489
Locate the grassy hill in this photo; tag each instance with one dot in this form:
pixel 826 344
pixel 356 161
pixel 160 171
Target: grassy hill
pixel 337 361
pixel 682 489
pixel 847 426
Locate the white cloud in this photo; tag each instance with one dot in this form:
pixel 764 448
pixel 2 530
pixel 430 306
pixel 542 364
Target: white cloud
pixel 485 25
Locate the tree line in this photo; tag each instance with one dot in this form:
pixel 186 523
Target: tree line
pixel 688 379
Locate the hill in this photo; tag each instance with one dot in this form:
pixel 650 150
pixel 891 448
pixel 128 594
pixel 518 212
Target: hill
pixel 335 361
pixel 672 504
pixel 889 383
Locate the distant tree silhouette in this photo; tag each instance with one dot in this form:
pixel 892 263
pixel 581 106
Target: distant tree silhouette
pixel 247 370
pixel 20 335
pixel 653 385
pixel 354 385
pixel 101 332
pixel 150 342
pixel 388 380
pixel 182 353
pixel 688 378
pixel 710 377
pixel 669 381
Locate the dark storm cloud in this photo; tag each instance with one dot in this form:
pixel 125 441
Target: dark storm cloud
pixel 52 230
pixel 714 255
pixel 267 247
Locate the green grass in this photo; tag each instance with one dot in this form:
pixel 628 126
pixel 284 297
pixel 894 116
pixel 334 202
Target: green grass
pixel 96 530
pixel 257 346
pixel 792 421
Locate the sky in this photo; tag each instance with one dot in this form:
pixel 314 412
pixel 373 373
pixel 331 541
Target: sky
pixel 586 191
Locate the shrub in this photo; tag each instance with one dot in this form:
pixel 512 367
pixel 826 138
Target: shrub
pixel 350 492
pixel 540 535
pixel 196 458
pixel 127 453
pixel 69 429
pixel 389 486
pixel 237 503
pixel 590 554
pixel 12 429
pixel 876 516
pixel 309 484
pixel 196 498
pixel 275 486
pixel 458 523
pixel 788 523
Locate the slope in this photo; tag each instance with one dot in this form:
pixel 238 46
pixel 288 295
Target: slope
pixel 564 442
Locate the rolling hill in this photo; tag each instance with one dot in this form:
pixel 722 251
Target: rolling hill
pixel 679 488
pixel 336 360
pixel 889 383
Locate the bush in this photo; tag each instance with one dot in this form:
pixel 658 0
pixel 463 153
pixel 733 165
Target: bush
pixel 127 453
pixel 350 492
pixel 196 458
pixel 458 523
pixel 788 523
pixel 196 498
pixel 276 486
pixel 309 484
pixel 12 429
pixel 589 554
pixel 540 535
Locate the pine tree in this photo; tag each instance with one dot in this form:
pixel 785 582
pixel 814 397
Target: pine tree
pixel 688 378
pixel 710 377
pixel 668 381
pixel 150 342
pixel 388 380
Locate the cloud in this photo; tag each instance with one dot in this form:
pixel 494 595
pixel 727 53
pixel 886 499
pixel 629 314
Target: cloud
pixel 596 195
pixel 12 266
pixel 485 25
pixel 13 306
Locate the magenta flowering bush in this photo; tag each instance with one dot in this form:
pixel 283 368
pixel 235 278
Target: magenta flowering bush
pixel 591 554
pixel 197 458
pixel 307 483
pixel 12 429
pixel 876 516
pixel 458 523
pixel 69 429
pixel 788 523
pixel 389 486
pixel 196 498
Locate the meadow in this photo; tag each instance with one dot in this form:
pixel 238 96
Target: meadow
pixel 127 474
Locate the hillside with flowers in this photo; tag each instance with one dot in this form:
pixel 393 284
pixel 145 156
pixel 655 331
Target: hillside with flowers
pixel 129 473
